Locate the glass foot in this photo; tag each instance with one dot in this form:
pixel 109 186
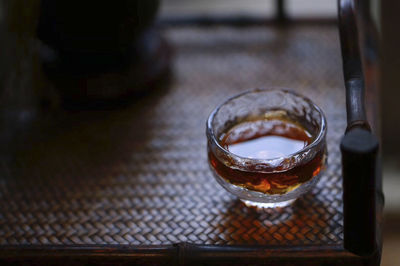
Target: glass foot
pixel 280 204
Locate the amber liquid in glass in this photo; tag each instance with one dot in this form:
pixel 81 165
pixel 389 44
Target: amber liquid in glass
pixel 268 139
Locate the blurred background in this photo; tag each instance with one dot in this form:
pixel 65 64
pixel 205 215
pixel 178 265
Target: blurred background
pixel 26 89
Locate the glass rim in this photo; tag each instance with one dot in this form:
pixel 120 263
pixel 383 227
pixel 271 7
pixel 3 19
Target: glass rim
pixel 272 161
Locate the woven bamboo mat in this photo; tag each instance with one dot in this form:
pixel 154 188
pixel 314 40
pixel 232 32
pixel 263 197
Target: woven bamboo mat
pixel 139 175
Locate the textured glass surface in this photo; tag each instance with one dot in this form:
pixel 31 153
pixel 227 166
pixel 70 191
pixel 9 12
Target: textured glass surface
pixel 263 103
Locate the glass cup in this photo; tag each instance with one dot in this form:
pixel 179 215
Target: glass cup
pixel 292 174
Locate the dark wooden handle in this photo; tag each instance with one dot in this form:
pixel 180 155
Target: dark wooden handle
pixel 359 146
